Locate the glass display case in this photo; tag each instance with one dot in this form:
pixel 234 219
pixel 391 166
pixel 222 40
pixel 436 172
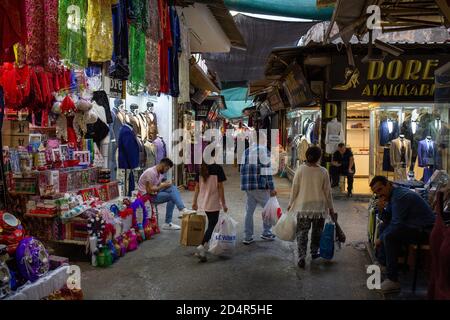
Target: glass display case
pixel 408 142
pixel 303 129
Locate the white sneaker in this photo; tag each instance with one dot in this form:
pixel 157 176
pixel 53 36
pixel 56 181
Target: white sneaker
pixel 389 286
pixel 187 211
pixel 170 226
pixel 201 250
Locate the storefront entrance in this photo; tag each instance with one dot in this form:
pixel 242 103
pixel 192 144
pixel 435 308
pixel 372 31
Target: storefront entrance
pixel 403 141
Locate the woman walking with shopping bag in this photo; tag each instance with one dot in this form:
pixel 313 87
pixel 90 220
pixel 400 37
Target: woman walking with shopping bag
pixel 209 197
pixel 312 201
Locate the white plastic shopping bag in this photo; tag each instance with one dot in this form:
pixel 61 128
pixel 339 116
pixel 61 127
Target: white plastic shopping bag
pixel 272 211
pixel 224 237
pixel 286 227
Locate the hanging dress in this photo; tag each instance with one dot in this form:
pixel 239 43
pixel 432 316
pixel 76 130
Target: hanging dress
pixel 154 34
pixel 164 44
pixel 138 29
pixel 99 28
pixel 185 55
pixel 12 27
pixel 119 68
pixel 72 31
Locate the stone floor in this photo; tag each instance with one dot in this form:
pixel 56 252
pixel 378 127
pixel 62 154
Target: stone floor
pixel 163 269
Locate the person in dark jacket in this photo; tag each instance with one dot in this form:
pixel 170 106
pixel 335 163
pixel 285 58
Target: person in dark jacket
pixel 410 215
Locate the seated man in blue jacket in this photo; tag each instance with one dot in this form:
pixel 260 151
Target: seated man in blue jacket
pixel 410 215
pixel 152 183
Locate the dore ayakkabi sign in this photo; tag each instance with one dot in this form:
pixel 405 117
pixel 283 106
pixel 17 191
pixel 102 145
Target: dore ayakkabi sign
pixel 405 78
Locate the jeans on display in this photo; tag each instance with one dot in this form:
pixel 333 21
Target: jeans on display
pixel 213 217
pixel 255 198
pixel 172 197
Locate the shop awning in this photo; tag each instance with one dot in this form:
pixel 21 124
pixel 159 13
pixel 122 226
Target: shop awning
pixel 304 9
pixel 236 100
pixel 200 80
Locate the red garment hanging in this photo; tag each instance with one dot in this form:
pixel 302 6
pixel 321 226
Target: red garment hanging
pixel 164 44
pixel 11 28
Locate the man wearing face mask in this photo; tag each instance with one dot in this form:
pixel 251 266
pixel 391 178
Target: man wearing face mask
pixel 410 216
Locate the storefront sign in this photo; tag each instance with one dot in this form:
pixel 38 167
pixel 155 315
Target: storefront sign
pixel 403 78
pixel 296 87
pixel 117 88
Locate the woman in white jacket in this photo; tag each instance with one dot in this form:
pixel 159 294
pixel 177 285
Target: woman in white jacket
pixel 312 200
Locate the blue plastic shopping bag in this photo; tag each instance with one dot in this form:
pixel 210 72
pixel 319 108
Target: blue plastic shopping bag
pixel 327 241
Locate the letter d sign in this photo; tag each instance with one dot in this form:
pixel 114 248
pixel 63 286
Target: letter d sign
pixel 374 280
pixel 331 110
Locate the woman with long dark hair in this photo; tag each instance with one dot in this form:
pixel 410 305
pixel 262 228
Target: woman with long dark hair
pixel 209 197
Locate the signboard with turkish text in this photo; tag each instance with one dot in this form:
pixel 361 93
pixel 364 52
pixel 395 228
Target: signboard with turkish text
pixel 296 87
pixel 404 78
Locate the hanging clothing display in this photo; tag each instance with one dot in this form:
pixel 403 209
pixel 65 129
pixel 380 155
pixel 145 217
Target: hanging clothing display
pixel 138 15
pixel 303 145
pixel 334 135
pixel 164 44
pixel 388 131
pixel 99 28
pixel 119 68
pixel 427 153
pixel 72 31
pixel 136 83
pixel 101 98
pixel 152 38
pixel 41 18
pixel 12 26
pixel 310 132
pixel 400 152
pixel 400 155
pixel 387 160
pixel 409 129
pixel 161 151
pixel 128 152
pixel 184 66
pixel 174 52
pixel 35 32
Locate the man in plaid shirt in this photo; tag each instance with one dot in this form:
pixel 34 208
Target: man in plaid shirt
pixel 257 182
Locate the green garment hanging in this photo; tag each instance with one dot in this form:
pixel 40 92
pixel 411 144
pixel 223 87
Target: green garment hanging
pixel 136 81
pixel 72 31
pixel 139 15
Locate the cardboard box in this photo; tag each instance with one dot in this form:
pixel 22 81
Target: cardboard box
pixel 192 229
pixel 14 141
pixel 15 127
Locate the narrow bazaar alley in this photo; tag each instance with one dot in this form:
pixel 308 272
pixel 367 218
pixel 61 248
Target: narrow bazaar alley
pixel 162 269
